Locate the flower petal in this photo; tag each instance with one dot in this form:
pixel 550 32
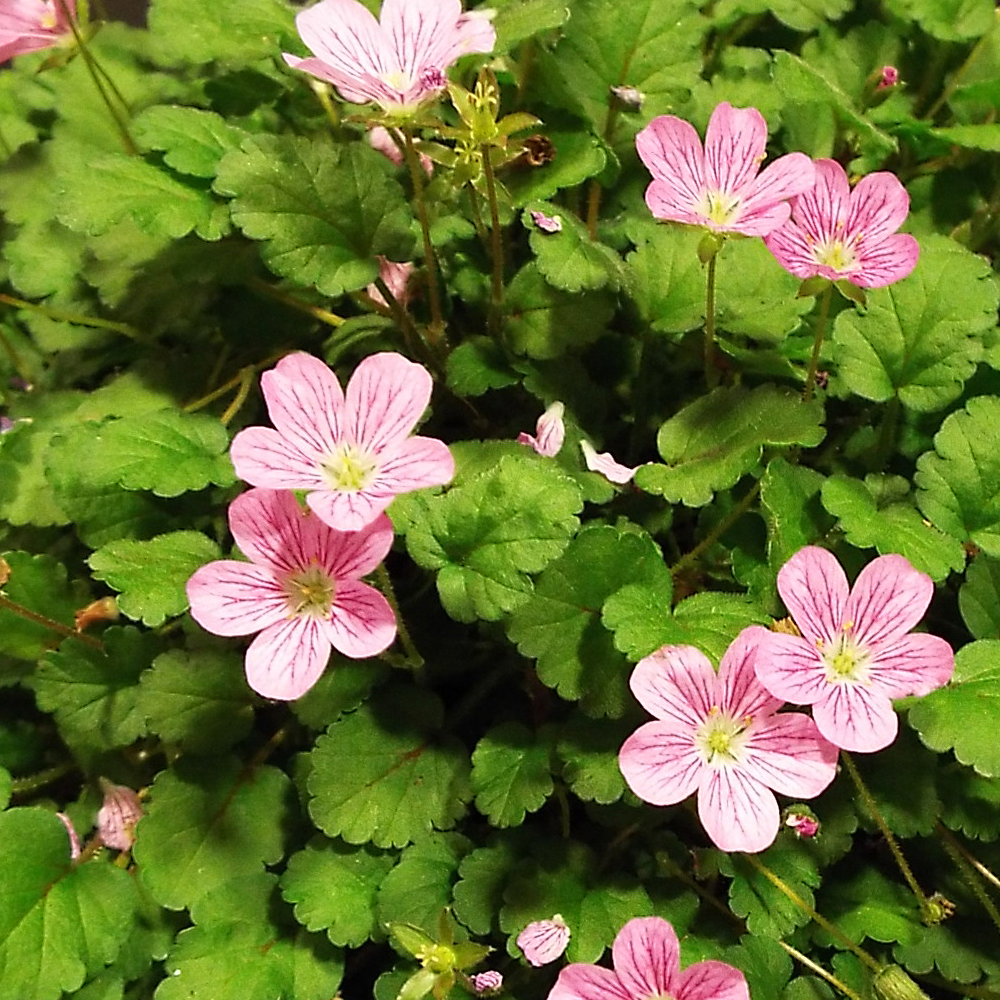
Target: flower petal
pixel 887 262
pixel 738 813
pixel 790 668
pixel 765 204
pixel 793 250
pixel 604 464
pixel 814 588
pixel 361 621
pixel 287 659
pixel 415 464
pixel 912 665
pixel 712 981
pixel 349 510
pixel 855 717
pixel 787 754
pixel 386 397
pixel 734 147
pixel 433 33
pixel 663 767
pixel 671 150
pixel 587 982
pixel 345 36
pixel 543 941
pixel 349 555
pixel 742 693
pixel 352 85
pixel 889 597
pixel 822 210
pixel 235 598
pixel 269 526
pixel 879 206
pixel 676 684
pixel 647 958
pixel 263 457
pixel 305 403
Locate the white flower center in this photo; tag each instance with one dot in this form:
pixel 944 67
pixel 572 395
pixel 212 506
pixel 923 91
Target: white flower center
pixel 721 738
pixel 349 468
pixel 836 254
pixel 718 207
pixel 310 592
pixel 399 80
pixel 845 660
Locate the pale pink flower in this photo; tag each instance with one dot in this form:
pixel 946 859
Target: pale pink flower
pixel 380 139
pixel 396 62
pixel 803 825
pixel 550 432
pixel 31 25
pixel 486 983
pixel 301 591
pixel 117 817
pixel 889 77
pixel 547 223
pixel 840 234
pixel 854 654
pixel 352 452
pixel 74 837
pixel 719 736
pixel 647 961
pixel 719 187
pixel 543 941
pixel 605 464
pixel 397 278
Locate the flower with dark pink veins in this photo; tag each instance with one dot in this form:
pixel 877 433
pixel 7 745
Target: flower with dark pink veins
pixel 32 25
pixel 301 591
pixel 720 186
pixel 720 736
pixel 847 235
pixel 543 941
pixel 396 62
pixel 854 654
pixel 118 815
pixel 647 966
pixel 351 452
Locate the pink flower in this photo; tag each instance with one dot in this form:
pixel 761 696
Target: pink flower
pixel 889 77
pixel 543 941
pixel 605 464
pixel 550 432
pixel 547 223
pixel 646 956
pixel 838 233
pixel 396 62
pixel 352 452
pixel 301 591
pixel 718 187
pixel 118 815
pixel 30 25
pixel 397 279
pixel 382 142
pixel 803 825
pixel 854 655
pixel 719 736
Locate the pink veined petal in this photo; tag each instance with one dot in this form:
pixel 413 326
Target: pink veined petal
pixel 416 463
pixel 350 555
pixel 765 202
pixel 380 139
pixel 858 718
pixel 647 958
pixel 814 588
pixel 911 665
pixel 791 669
pixel 386 397
pixel 604 463
pixel 662 766
pixel 742 693
pixel 287 659
pixel 676 684
pixel 667 200
pixel 270 529
pixel 234 598
pixel 792 250
pixel 759 221
pixel 349 510
pixel 353 86
pixel 879 206
pixel 361 621
pixel 734 147
pixel 737 812
pixel 787 754
pixel 672 152
pixel 588 982
pixel 543 941
pixel 886 263
pixel 305 403
pixel 822 210
pixel 345 35
pixel 712 981
pixel 263 457
pixel 889 597
pixel 433 33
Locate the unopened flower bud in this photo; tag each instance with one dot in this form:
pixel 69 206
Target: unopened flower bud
pixel 396 276
pixel 486 983
pixel 543 941
pixel 116 819
pixel 890 77
pixel 550 432
pixel 803 825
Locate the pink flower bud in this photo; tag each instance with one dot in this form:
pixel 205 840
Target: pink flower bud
pixel 381 140
pixel 397 279
pixel 547 223
pixel 74 839
pixel 803 825
pixel 890 77
pixel 486 983
pixel 116 819
pixel 543 941
pixel 550 431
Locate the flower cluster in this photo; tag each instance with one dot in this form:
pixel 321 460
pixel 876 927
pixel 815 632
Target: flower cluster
pixel 722 736
pixel 350 453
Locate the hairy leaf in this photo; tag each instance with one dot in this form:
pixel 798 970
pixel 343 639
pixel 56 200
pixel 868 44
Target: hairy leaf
pixel 511 773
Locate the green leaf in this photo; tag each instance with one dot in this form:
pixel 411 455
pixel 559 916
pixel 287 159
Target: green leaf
pixel 511 773
pixel 765 964
pixel 589 755
pixel 418 888
pixel 970 803
pixel 478 365
pixel 669 283
pixel 193 141
pixel 485 535
pixel 197 699
pixel 866 904
pixel 720 437
pixel 517 20
pixel 324 210
pixel 890 527
pixel 951 20
pixel 921 338
pixel 789 499
pixel 960 949
pixel 979 598
pixel 959 482
pixel 209 820
pixel 151 576
pixel 570 260
pixel 561 627
pixel 961 716
pixel 59 925
pixel 343 686
pixel 376 776
pixel 5 787
pixel 333 887
pixel 93 691
pixel 478 894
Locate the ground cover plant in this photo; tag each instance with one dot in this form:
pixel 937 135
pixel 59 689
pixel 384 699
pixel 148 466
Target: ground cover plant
pixel 500 502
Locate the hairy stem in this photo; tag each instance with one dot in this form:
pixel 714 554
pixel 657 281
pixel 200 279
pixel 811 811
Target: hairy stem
pixel 430 261
pixel 970 872
pixel 413 658
pixel 711 372
pixel 824 313
pixel 959 74
pixel 77 319
pixel 50 623
pixel 34 782
pixel 323 315
pixel 719 530
pixel 496 242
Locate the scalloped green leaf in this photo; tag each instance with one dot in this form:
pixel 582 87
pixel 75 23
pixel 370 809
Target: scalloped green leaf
pixel 951 20
pixel 789 500
pixel 578 155
pixel 720 437
pixel 511 773
pixel 979 598
pixel 193 141
pixel 866 904
pixel 589 756
pixel 478 894
pixel 569 259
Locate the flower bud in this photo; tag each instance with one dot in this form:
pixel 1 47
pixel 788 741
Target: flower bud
pixel 116 819
pixel 486 983
pixel 804 826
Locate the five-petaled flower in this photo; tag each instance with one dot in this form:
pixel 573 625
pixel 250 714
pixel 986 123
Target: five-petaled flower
pixel 843 234
pixel 720 736
pixel 718 187
pixel 353 452
pixel 31 25
pixel 854 654
pixel 396 62
pixel 646 956
pixel 301 591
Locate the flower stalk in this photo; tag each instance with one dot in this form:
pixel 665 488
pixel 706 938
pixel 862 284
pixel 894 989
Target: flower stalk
pixel 430 260
pixel 824 313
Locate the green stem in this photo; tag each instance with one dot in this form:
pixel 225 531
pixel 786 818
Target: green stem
pixel 430 261
pixel 413 658
pixel 711 372
pixel 243 390
pixel 323 315
pixel 236 382
pixel 973 861
pixel 926 911
pixel 496 241
pixel 824 313
pixel 887 434
pixel 34 782
pixel 968 871
pixel 77 319
pixel 719 530
pixel 53 626
pixel 820 971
